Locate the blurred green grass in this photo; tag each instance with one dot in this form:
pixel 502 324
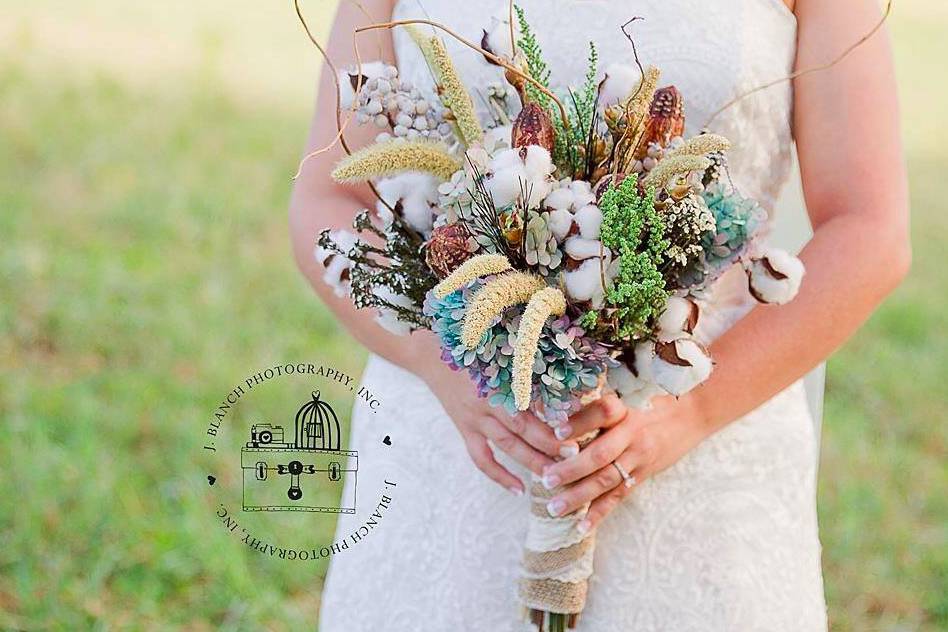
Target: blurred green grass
pixel 145 163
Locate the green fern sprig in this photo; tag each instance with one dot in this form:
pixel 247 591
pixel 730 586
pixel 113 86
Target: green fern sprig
pixel 536 67
pixel 538 70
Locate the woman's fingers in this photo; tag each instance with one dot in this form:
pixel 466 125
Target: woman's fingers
pixel 539 435
pixel 602 482
pixel 602 507
pixel 513 445
pixel 603 450
pixel 605 412
pixel 484 459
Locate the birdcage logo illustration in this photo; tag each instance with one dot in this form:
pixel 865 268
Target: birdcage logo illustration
pixel 305 471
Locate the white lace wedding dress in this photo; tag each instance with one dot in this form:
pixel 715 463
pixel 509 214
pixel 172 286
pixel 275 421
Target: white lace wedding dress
pixel 726 540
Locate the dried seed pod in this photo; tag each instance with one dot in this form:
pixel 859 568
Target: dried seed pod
pixel 666 120
pixel 533 127
pixel 602 185
pixel 517 81
pixel 448 248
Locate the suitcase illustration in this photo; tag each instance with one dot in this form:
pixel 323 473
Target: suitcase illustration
pixel 303 471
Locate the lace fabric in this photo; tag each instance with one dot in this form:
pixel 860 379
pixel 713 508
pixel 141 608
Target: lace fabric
pixel 724 540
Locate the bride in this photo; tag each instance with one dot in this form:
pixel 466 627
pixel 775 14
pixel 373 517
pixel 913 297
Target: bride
pixel 720 531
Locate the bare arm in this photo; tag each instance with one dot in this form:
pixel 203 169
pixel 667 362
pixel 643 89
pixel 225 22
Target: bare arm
pixel 846 126
pixel 847 130
pixel 318 202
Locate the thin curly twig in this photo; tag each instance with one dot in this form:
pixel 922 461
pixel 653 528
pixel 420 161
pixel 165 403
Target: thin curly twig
pixel 806 71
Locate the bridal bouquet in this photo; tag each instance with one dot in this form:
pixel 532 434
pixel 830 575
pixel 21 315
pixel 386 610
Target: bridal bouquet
pixel 559 248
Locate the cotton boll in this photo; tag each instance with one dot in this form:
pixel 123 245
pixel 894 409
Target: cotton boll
pixel 497 37
pixel 525 169
pixel 418 213
pixel 349 78
pixel 680 316
pixel 589 220
pixel 560 199
pixel 680 365
pixel 633 382
pixel 580 248
pixel 537 190
pixel 560 222
pixel 347 93
pixel 630 389
pixel 387 317
pixel 585 282
pixel 506 159
pixel 538 163
pixel 417 192
pixel 384 214
pixel 582 193
pixel 775 276
pixel 505 186
pixel 336 266
pixel 643 355
pixel 621 80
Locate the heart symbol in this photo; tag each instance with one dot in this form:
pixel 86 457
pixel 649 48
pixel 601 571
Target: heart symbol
pixel 387 440
pixel 211 480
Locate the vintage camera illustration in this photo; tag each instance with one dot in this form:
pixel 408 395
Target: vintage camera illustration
pixel 292 471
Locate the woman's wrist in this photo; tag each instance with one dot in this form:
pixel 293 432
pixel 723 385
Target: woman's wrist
pixel 422 356
pixel 695 407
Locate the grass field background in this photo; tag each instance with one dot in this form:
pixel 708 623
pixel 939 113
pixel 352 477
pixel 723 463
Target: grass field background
pixel 146 151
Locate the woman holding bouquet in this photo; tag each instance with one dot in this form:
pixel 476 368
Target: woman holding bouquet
pixel 704 505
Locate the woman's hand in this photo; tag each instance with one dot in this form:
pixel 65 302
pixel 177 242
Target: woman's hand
pixel 525 438
pixel 643 443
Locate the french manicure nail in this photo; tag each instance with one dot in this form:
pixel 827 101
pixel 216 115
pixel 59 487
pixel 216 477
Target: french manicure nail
pixel 551 480
pixel 564 431
pixel 583 526
pixel 516 491
pixel 569 450
pixel 555 507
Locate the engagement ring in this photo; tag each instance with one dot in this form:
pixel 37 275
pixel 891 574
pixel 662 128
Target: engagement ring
pixel 627 479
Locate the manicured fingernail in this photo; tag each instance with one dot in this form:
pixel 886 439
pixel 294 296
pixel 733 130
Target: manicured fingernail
pixel 516 491
pixel 556 507
pixel 583 526
pixel 551 480
pixel 568 450
pixel 564 431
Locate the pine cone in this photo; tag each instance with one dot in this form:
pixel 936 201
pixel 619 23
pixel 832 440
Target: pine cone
pixel 448 247
pixel 666 120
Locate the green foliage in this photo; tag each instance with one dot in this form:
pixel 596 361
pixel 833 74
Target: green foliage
pixel 589 320
pixel 633 230
pixel 582 111
pixel 536 67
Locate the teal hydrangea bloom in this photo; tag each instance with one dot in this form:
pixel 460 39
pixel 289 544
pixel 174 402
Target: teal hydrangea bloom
pixel 567 363
pixel 736 220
